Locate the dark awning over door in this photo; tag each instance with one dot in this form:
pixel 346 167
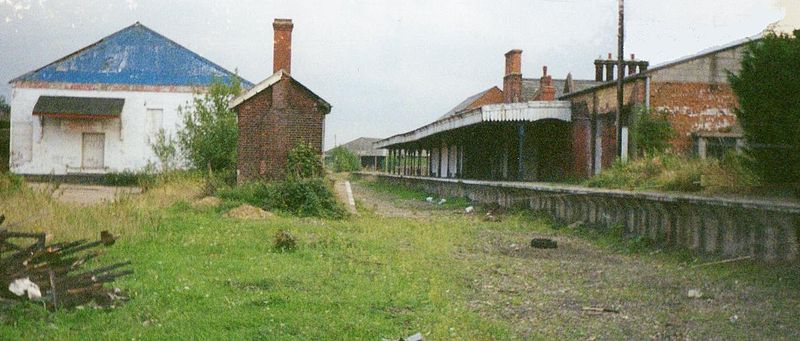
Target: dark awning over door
pixel 78 107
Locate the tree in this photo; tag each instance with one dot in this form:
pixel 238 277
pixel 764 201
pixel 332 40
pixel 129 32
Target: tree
pixel 209 135
pixel 341 159
pixel 4 106
pixel 767 87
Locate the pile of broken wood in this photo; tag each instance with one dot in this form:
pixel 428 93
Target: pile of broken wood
pixel 52 274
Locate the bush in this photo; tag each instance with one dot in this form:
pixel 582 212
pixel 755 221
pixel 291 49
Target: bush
pixel 651 132
pixel 769 108
pixel 303 162
pixel 166 149
pixel 341 159
pixel 307 197
pixel 208 138
pixel 301 197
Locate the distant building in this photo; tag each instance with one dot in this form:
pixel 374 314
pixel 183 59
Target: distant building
pixel 370 157
pixel 277 114
pixel 97 110
pixel 521 132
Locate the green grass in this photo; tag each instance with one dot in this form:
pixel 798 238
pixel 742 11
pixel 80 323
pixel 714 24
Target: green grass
pixel 199 275
pixel 405 193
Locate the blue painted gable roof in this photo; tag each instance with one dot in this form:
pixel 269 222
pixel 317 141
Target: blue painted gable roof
pixel 136 55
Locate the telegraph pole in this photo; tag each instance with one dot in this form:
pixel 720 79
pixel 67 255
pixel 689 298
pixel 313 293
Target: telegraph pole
pixel 620 74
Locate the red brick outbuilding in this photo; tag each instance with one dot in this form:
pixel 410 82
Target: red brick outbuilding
pixel 275 115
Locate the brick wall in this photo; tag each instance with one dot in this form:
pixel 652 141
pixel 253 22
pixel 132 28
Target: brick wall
pixel 600 105
pixel 694 107
pixel 271 123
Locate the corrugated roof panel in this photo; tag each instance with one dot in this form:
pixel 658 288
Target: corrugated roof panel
pixel 136 55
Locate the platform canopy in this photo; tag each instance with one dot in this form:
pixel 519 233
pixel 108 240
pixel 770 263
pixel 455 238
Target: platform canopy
pixel 531 111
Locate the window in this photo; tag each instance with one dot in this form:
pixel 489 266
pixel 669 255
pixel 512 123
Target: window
pixel 155 120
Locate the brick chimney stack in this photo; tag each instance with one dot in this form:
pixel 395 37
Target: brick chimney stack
pixel 547 91
pixel 512 82
pixel 282 53
pixel 606 67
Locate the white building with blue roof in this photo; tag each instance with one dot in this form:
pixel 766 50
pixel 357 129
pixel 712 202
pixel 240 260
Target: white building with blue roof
pixel 97 110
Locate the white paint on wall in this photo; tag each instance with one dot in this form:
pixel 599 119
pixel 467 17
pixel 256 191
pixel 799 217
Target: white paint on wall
pixel 54 146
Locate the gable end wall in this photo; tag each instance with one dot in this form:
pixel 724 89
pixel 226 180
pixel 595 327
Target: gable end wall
pixel 271 123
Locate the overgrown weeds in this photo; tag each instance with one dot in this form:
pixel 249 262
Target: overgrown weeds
pixel 302 197
pixel 670 172
pixel 126 216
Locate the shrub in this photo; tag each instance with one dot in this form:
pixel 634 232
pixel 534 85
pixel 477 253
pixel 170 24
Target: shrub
pixel 166 149
pixel 301 197
pixel 303 162
pixel 209 135
pixel 651 132
pixel 341 159
pixel 769 108
pixel 307 197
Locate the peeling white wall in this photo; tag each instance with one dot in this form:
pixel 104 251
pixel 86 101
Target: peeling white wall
pixel 52 146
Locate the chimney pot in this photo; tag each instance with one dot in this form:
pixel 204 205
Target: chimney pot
pixel 609 56
pixel 544 70
pixel 633 56
pixel 610 71
pixel 598 69
pixel 282 49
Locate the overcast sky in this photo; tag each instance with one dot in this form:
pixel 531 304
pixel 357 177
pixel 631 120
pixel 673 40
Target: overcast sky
pixel 387 66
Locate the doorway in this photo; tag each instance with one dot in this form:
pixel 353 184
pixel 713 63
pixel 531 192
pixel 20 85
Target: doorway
pixel 93 153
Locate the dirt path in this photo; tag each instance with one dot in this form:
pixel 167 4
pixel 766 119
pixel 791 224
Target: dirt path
pixel 387 205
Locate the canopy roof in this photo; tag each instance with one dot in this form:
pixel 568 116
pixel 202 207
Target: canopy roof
pixel 78 107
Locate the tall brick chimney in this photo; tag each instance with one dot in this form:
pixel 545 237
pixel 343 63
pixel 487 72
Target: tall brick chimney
pixel 282 53
pixel 512 82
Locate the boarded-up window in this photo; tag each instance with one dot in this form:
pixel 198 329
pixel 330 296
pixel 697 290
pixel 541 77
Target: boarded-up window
pixel 155 120
pixel 21 142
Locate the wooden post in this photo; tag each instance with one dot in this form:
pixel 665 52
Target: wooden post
pixel 520 152
pixel 620 74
